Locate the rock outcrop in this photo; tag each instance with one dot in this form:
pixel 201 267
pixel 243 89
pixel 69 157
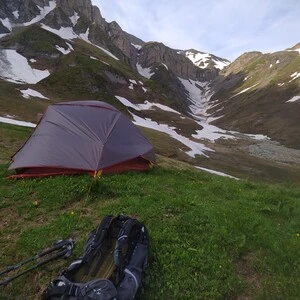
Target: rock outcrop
pixel 153 53
pixel 175 60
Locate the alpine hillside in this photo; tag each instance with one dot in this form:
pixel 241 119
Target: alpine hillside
pixel 236 117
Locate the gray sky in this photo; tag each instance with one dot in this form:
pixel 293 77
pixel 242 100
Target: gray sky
pixel 226 28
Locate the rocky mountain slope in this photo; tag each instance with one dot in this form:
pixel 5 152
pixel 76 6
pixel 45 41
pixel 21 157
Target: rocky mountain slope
pixel 60 50
pixel 259 93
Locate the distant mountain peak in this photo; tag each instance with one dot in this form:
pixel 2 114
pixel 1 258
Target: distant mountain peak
pixel 205 60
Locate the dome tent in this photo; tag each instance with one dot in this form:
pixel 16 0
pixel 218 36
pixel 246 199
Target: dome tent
pixel 82 137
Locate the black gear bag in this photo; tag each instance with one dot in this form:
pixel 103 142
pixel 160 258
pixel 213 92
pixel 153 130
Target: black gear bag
pixel 114 256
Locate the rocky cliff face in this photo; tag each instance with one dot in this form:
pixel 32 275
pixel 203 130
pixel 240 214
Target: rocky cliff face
pixel 82 8
pixel 182 63
pixel 157 53
pixel 83 17
pixel 124 41
pixel 18 12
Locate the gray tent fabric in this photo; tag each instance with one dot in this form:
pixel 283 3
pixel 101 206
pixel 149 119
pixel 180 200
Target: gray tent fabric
pixel 82 136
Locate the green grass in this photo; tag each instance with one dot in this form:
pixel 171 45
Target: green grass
pixel 11 138
pixel 211 237
pixel 255 64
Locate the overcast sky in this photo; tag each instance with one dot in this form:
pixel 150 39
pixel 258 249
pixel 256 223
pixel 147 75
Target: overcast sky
pixel 226 28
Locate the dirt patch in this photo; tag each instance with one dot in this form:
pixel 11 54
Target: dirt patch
pixel 245 268
pixel 9 215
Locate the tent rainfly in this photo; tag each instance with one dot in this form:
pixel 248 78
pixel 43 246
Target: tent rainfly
pixel 82 137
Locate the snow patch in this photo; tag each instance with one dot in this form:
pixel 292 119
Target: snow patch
pixel 136 46
pixel 295 98
pixel 144 89
pixel 6 23
pixel 133 81
pixel 70 46
pixel 277 61
pixel 199 103
pixel 15 68
pixel 297 50
pixel 63 50
pixel 216 172
pixel 243 91
pixel 141 83
pixel 32 60
pixel 127 103
pixel 245 78
pixel 85 36
pixel 92 57
pixel 196 148
pixel 16 122
pixel 281 84
pixel 74 18
pixel 220 64
pixel 32 93
pixel 201 60
pixel 163 107
pixel 65 33
pixel 44 11
pixel 271 65
pixel 165 66
pixel 295 76
pixel 105 62
pixel 146 105
pixel 131 86
pixel 145 72
pixel 212 133
pixel 106 51
pixel 16 14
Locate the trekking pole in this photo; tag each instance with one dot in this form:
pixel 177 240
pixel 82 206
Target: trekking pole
pixel 65 245
pixel 55 246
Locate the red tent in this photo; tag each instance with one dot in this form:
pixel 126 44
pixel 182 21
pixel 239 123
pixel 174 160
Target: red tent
pixel 83 137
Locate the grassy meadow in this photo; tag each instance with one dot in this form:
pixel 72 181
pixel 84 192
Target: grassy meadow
pixel 211 237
